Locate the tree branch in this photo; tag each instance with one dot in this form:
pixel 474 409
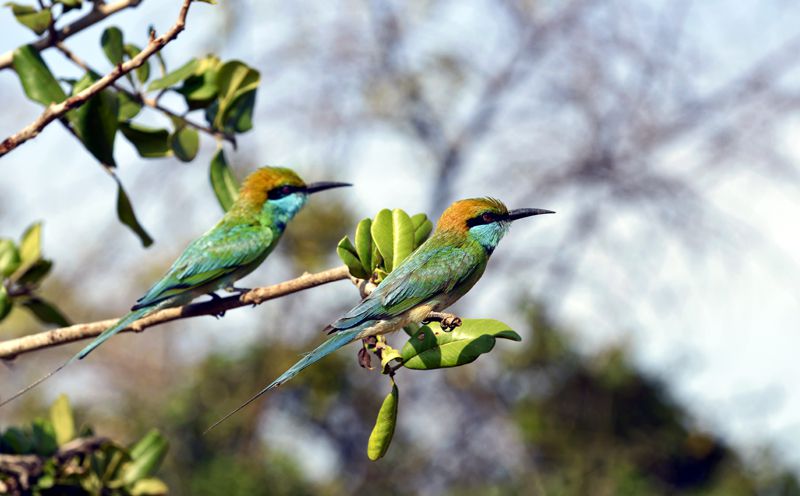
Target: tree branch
pixel 25 344
pixel 99 12
pixel 56 110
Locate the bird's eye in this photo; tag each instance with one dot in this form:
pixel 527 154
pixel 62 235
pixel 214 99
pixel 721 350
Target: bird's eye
pixel 487 217
pixel 286 190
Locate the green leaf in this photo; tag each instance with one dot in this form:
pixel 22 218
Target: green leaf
pixel 402 236
pixel 225 185
pixel 364 245
pixel 9 257
pixel 96 122
pixel 185 142
pixel 46 312
pixel 36 20
pixel 19 442
pixel 128 107
pixel 5 302
pixel 382 433
pixel 237 84
pixel 149 142
pixel 62 420
pixel 199 91
pixel 37 81
pixel 70 4
pixel 43 437
pixel 143 71
pixel 111 40
pixel 433 348
pixel 30 248
pixel 33 273
pixel 146 456
pixel 150 486
pixel 422 228
pixel 381 231
pixel 174 77
pixel 347 252
pixel 128 217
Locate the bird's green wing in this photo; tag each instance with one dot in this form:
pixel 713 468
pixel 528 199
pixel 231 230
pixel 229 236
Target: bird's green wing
pixel 211 257
pixel 428 272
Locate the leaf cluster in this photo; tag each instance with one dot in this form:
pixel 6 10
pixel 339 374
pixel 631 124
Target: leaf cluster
pixel 53 456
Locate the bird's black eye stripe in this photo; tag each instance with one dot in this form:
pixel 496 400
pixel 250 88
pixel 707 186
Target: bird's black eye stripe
pixel 484 218
pixel 281 191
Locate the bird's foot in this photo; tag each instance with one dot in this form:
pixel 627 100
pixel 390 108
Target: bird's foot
pixel 448 321
pixel 216 297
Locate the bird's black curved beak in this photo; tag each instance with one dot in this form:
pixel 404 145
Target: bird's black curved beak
pixel 526 212
pixel 323 185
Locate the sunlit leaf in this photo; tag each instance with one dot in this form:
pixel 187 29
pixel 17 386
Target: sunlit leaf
pixel 185 142
pixel 363 244
pixel 149 142
pixel 30 247
pixel 347 253
pixel 381 230
pixel 225 185
pixel 237 84
pixel 382 433
pixel 111 40
pixel 9 257
pixel 174 77
pixel 433 348
pixel 422 228
pixel 402 237
pixel 46 312
pixel 146 455
pixel 35 20
pixel 37 81
pixel 128 217
pixel 62 420
pixel 150 486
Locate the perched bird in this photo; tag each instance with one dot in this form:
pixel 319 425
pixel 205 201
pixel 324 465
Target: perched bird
pixel 431 279
pixel 268 199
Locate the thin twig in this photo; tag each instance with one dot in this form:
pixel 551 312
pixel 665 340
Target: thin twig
pixel 149 102
pixel 15 347
pixel 97 14
pixel 56 110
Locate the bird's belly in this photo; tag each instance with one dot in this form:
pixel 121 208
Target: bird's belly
pixel 413 316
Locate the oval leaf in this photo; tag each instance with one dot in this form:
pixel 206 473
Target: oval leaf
pixel 382 235
pixel 184 143
pixel 347 252
pixel 143 71
pixel 146 456
pixel 128 217
pixel 37 81
pixel 36 20
pixel 382 433
pixel 111 40
pixel 96 122
pixel 149 142
pixel 225 185
pixel 62 420
pixel 433 348
pixel 30 246
pixel 364 244
pixel 402 236
pixel 46 312
pixel 422 228
pixel 128 107
pixel 9 257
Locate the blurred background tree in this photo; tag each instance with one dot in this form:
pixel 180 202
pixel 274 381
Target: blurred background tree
pixel 663 132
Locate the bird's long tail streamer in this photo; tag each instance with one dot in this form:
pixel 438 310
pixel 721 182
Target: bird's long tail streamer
pixel 332 344
pixel 120 325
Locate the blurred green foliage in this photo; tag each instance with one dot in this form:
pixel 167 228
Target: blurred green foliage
pixel 51 456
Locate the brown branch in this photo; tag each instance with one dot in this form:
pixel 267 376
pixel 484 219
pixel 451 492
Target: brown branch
pixel 56 110
pixel 99 12
pixel 15 347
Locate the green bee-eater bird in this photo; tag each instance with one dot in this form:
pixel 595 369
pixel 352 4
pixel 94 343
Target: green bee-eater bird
pixel 431 279
pixel 268 199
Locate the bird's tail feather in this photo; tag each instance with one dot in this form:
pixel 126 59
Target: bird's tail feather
pixel 333 343
pixel 121 324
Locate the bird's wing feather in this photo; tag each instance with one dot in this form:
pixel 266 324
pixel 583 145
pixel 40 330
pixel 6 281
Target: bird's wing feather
pixel 210 257
pixel 422 276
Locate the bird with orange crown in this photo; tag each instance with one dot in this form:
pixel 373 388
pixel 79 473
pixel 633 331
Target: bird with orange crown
pixel 268 199
pixel 430 279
